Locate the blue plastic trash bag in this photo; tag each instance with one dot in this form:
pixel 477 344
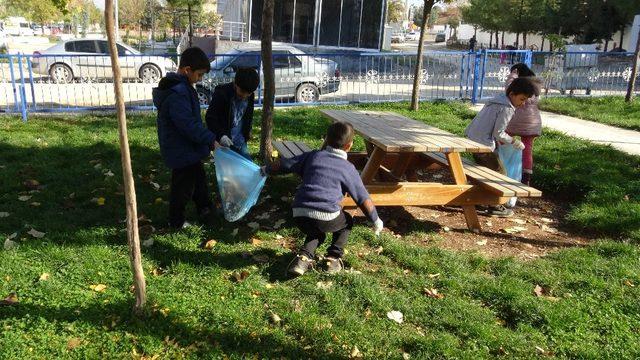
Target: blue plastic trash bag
pixel 239 183
pixel 512 160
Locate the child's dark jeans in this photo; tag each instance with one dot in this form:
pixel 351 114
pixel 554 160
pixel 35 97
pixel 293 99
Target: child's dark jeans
pixel 187 183
pixel 316 232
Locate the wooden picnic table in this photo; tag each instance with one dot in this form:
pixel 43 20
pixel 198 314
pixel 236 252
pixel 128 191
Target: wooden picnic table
pixel 397 146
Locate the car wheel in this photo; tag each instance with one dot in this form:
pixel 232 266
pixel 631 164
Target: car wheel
pixel 61 74
pixel 204 95
pixel 150 73
pixel 307 93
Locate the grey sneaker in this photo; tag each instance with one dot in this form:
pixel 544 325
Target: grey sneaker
pixel 333 265
pixel 299 265
pixel 499 211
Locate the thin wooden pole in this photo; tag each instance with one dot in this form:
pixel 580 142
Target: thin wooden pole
pixel 428 4
pixel 269 85
pixel 127 173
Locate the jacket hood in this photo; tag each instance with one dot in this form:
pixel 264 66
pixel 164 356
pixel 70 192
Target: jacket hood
pixel 501 99
pixel 166 86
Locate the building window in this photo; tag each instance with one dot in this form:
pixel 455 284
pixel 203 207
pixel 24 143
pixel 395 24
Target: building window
pixel 330 22
pixel 282 20
pixel 370 24
pixel 304 21
pixel 350 28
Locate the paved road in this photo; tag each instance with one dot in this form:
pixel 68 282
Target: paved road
pixel 627 141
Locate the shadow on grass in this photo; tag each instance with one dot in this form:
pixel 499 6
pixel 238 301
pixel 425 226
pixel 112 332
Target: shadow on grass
pixel 203 342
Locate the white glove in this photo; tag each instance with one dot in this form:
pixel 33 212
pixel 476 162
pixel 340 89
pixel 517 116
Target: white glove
pixel 518 144
pixel 378 225
pixel 225 141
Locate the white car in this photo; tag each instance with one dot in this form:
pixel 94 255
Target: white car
pixel 413 36
pixel 89 59
pixel 397 37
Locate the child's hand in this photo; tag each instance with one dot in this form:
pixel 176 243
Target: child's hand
pixel 378 226
pixel 518 144
pixel 225 141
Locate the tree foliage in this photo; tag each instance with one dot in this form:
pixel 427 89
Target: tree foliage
pixel 587 21
pixel 395 11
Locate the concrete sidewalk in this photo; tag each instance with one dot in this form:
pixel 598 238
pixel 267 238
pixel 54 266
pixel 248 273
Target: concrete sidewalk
pixel 627 141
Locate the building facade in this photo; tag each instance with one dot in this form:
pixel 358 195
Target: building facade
pixel 321 23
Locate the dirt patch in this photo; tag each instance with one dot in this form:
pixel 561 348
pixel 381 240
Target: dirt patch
pixel 536 229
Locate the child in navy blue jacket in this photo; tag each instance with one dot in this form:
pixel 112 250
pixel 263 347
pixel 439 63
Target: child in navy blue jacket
pixel 326 176
pixel 183 138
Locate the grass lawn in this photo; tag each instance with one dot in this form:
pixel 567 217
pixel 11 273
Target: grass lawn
pixel 610 110
pixel 223 302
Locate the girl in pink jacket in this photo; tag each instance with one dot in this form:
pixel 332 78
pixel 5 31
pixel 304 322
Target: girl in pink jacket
pixel 526 122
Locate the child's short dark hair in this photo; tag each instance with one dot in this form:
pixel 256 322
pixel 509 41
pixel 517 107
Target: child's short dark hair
pixel 524 85
pixel 523 70
pixel 195 58
pixel 339 134
pixel 247 79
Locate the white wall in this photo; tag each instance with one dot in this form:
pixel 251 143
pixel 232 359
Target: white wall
pixel 465 32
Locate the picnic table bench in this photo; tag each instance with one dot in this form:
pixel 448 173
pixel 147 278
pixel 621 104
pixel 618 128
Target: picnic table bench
pixel 398 147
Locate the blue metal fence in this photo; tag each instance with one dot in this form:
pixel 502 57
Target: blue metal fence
pixel 70 83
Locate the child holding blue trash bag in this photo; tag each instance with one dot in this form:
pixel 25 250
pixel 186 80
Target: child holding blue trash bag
pixel 183 138
pixel 489 128
pixel 326 176
pixel 230 114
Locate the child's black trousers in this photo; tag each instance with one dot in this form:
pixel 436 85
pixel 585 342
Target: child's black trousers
pixel 316 232
pixel 187 183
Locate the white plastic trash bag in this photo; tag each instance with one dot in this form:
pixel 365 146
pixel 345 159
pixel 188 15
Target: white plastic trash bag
pixel 239 183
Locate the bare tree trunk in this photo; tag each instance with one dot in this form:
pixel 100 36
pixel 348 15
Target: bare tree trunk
pixel 634 72
pixel 542 44
pixel 502 41
pixel 497 39
pixel 490 39
pixel 524 40
pixel 517 40
pixel 127 173
pixel 606 45
pixel 428 4
pixel 269 81
pixel 621 37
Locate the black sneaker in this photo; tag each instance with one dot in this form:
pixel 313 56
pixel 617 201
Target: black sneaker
pixel 499 211
pixel 332 265
pixel 299 265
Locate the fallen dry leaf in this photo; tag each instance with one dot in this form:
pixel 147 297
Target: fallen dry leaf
pixel 546 220
pixel 9 244
pixel 548 229
pixel 278 237
pixel 518 221
pixel 35 204
pixel 31 184
pixel 148 242
pixel 253 225
pixel 73 343
pixel 234 232
pixel 155 185
pixel 11 299
pixel 165 311
pixel 355 353
pixel 44 277
pixel 481 242
pixel 100 201
pixel 432 276
pixel 24 197
pixel 275 319
pixel 433 293
pixel 4 214
pixel 35 233
pixel 395 316
pixel 157 271
pixel 538 291
pixel 446 229
pixel 240 276
pixel 379 250
pixel 324 285
pixel 109 173
pixel 513 230
pixel 158 201
pixel 255 241
pixel 98 287
pixel 629 283
pixel 279 223
pixel 209 244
